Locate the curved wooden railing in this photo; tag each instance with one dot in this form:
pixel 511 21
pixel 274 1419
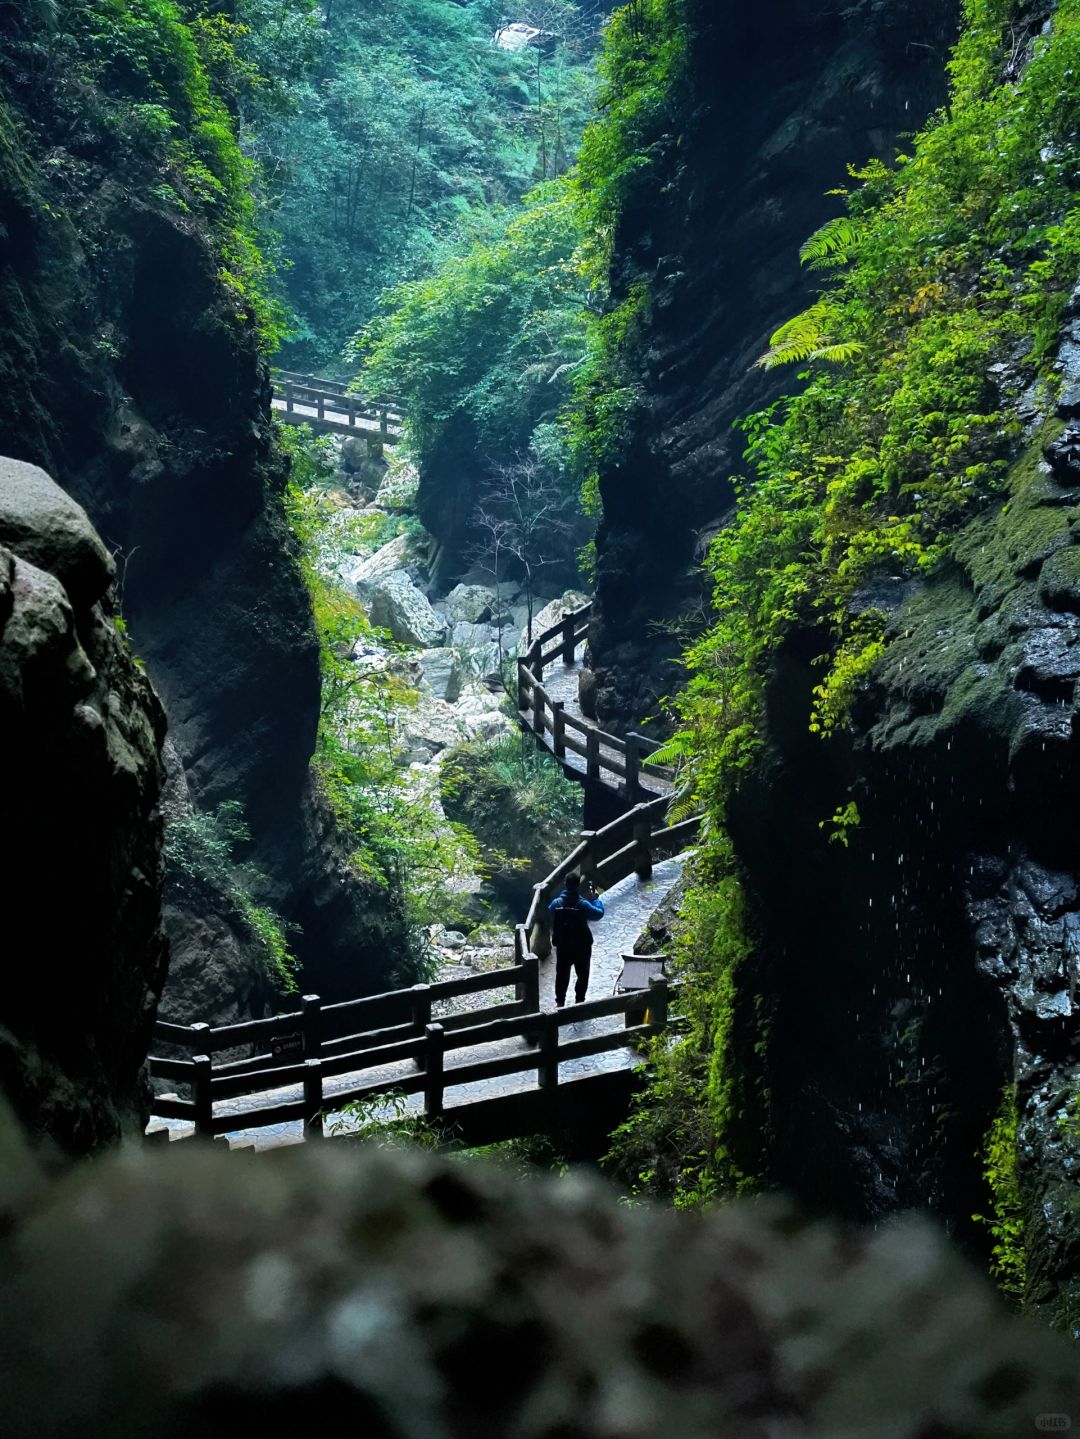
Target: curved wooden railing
pixel 418 1039
pixel 327 405
pixel 305 1047
pixel 585 751
pixel 629 845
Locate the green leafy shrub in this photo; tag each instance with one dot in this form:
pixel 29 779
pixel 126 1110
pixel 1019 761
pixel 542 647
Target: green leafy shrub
pixel 1006 1222
pixel 961 255
pixel 202 870
pixel 944 287
pixel 522 809
pixel 399 839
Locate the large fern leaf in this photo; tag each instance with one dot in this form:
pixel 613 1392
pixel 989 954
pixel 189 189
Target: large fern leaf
pixel 832 244
pixel 806 337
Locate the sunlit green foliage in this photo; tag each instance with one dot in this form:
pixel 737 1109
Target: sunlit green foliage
pixel 406 142
pixel 641 67
pixel 1006 1222
pixel 399 840
pixel 492 335
pixel 151 66
pixel 960 256
pixel 202 868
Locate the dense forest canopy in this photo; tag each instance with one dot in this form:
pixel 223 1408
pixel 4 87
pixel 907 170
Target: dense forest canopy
pixel 390 133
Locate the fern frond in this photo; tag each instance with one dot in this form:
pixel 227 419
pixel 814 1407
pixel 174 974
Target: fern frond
pixel 799 338
pixel 839 353
pixel 832 244
pixel 806 337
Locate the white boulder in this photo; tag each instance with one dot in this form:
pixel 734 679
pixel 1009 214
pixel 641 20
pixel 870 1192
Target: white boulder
pixel 440 673
pixel 550 616
pixel 471 604
pixel 394 603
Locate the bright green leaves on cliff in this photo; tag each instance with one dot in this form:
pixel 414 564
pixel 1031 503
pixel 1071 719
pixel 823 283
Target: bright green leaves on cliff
pixel 951 274
pixel 493 334
pixel 406 144
pixel 152 68
pixel 398 839
pixel 1006 1222
pixel 640 65
pixel 202 870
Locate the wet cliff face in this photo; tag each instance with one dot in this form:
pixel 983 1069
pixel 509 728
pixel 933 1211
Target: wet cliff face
pixel 916 972
pixel 909 971
pixel 775 113
pixel 80 773
pixel 132 369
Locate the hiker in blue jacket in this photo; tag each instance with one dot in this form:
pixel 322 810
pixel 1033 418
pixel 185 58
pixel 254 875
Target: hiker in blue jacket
pixel 571 915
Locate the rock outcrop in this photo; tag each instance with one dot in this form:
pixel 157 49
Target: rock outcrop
pixel 401 1295
pixel 80 773
pixel 133 372
pixel 713 229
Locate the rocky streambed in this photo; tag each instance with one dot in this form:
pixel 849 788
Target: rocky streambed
pixel 451 652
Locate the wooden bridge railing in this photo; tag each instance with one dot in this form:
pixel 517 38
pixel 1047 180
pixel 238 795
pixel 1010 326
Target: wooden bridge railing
pixel 646 1015
pixel 631 844
pixel 609 759
pixel 335 407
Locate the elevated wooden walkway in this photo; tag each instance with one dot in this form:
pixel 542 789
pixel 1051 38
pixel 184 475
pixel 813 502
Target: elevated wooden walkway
pixel 548 707
pixel 506 1063
pixel 327 406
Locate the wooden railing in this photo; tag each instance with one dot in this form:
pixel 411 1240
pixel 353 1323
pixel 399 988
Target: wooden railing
pixel 646 1015
pixel 306 1047
pixel 629 845
pixel 609 759
pixel 335 408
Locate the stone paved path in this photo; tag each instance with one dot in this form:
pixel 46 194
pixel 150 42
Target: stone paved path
pixel 628 906
pixel 561 683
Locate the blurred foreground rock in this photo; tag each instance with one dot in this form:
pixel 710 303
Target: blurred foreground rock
pixel 406 1296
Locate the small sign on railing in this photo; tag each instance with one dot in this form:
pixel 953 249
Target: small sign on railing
pixel 286 1045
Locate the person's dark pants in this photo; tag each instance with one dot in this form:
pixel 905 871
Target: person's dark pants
pixel 564 963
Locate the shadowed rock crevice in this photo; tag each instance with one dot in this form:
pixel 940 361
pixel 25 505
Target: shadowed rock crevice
pixel 80 772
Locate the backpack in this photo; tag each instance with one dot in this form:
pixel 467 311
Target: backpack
pixel 570 930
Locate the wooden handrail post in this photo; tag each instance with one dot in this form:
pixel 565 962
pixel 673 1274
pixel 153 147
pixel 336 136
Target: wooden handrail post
pixel 658 1002
pixel 539 699
pixel 569 649
pixel 536 663
pixel 384 422
pixel 558 728
pixel 313 1100
pixel 200 1039
pixel 311 1023
pixel 202 1094
pixel 587 863
pixel 421 1007
pixel 530 985
pixel 436 1058
pixel 288 396
pixel 592 757
pixel 548 1060
pixel 523 685
pixel 421 1015
pixel 642 836
pixel 521 943
pixel 540 939
pixel 633 769
pixel 352 410
pixel 322 405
